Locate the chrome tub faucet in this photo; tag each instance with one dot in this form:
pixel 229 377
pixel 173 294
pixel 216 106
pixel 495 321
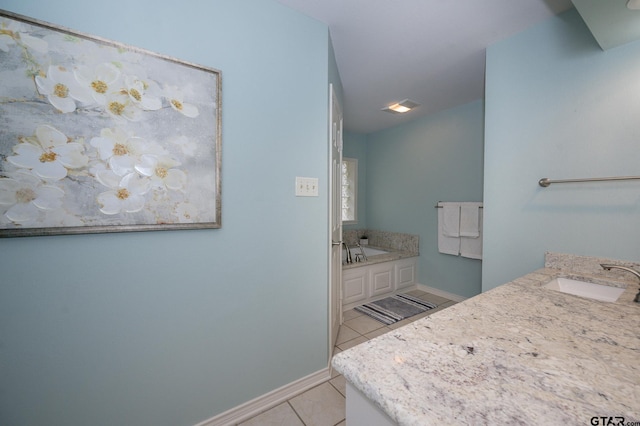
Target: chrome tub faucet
pixel 349 259
pixel 362 254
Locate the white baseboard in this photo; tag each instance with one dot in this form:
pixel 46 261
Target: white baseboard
pixel 441 293
pixel 268 400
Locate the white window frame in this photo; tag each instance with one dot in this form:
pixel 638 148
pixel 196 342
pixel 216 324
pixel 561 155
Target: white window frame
pixel 349 184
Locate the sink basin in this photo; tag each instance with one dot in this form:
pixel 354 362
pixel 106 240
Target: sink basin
pixel 601 292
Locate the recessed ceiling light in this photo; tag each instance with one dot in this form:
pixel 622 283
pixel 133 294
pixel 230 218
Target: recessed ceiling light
pixel 401 107
pixel 633 4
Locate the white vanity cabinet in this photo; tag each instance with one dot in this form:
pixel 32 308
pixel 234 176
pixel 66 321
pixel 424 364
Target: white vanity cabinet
pixel 365 283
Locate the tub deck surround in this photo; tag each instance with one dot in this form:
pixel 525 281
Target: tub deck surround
pixel 518 354
pixel 388 240
pixel 391 254
pixel 398 245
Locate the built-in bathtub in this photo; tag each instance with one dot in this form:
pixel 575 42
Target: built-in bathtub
pixel 386 271
pixel 374 255
pixel 368 252
pixel 391 265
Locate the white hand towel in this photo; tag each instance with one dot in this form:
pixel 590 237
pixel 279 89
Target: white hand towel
pixel 446 245
pixel 469 220
pixel 450 219
pixel 472 247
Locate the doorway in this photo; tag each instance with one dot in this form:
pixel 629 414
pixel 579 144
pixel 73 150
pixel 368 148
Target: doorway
pixel 335 219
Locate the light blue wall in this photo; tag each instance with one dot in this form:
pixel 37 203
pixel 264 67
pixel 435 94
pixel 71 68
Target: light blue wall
pixel 171 328
pixel 355 146
pixel 557 106
pixel 413 166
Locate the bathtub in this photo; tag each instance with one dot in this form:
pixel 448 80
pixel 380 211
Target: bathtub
pixel 368 251
pixel 384 273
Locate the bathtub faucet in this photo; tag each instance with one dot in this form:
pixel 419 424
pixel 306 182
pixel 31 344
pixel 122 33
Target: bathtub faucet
pixel 362 253
pixel 349 259
pixel 608 267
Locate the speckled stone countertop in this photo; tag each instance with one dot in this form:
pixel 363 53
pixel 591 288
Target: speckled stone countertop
pixel 392 254
pixel 517 354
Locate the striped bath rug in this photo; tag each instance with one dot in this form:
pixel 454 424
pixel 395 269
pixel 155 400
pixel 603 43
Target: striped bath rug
pixel 395 308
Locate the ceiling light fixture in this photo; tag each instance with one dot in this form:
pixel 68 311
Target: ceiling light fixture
pixel 401 107
pixel 633 4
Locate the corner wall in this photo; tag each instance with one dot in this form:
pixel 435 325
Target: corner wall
pixel 172 328
pixel 557 106
pixel 413 166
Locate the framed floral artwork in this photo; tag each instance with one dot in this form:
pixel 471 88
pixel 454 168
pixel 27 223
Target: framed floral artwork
pixel 96 136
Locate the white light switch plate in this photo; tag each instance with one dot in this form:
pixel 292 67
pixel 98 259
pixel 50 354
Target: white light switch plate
pixel 306 187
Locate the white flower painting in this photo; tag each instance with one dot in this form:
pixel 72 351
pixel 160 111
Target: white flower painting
pixel 96 136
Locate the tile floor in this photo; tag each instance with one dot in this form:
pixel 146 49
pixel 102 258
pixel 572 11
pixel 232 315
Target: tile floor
pixel 324 405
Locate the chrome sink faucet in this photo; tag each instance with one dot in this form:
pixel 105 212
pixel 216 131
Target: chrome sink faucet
pixel 608 267
pixel 349 259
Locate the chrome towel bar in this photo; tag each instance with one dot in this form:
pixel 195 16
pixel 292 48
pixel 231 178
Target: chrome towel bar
pixel 544 182
pixel 439 207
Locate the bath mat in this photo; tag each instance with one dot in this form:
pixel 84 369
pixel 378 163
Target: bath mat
pixel 395 308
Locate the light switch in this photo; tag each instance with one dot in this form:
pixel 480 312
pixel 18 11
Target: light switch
pixel 306 187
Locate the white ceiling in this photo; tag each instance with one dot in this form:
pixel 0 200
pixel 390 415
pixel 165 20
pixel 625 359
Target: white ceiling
pixel 430 51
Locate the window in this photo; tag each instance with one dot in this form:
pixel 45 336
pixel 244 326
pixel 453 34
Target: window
pixel 349 190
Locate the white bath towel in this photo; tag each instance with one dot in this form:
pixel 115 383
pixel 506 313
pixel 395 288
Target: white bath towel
pixel 472 247
pixel 469 220
pixel 450 219
pixel 446 244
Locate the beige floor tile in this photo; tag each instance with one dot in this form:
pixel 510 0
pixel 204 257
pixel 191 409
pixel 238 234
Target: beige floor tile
pixel 438 300
pixel 334 373
pixel 345 334
pixel 350 314
pixel 441 307
pixel 279 415
pixel 340 383
pixel 449 303
pixel 363 324
pixel 378 332
pixel 320 406
pixel 353 342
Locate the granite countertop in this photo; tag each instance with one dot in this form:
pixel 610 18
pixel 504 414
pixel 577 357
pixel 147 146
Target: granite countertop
pixel 392 254
pixel 517 354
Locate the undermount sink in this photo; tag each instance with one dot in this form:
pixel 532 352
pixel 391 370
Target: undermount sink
pixel 601 292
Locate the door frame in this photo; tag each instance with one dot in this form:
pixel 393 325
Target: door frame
pixel 334 279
